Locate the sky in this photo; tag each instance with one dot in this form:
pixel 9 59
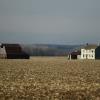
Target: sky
pixel 50 21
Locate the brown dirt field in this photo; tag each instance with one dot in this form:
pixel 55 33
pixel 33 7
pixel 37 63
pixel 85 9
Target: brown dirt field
pixel 49 78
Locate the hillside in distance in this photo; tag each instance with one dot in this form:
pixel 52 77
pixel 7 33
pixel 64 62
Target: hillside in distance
pixel 49 49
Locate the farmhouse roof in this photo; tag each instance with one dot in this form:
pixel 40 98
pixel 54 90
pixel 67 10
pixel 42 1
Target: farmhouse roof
pixel 90 46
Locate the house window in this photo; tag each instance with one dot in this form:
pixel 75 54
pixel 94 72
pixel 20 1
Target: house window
pixel 84 55
pixel 83 50
pixel 92 51
pixel 92 56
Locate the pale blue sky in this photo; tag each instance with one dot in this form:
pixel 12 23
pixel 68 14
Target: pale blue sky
pixel 50 21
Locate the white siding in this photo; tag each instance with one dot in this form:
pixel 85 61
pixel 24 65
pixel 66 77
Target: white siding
pixel 78 56
pixel 87 54
pixel 3 52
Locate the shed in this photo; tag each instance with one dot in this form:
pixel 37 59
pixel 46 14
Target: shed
pixel 74 55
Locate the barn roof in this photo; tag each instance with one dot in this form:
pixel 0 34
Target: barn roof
pixel 10 45
pixel 90 46
pixel 12 48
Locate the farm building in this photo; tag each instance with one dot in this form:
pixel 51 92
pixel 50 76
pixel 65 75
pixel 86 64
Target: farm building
pixel 90 52
pixel 74 55
pixel 12 51
pixel 86 52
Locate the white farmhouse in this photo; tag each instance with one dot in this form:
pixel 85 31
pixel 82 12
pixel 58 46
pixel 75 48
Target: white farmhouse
pixel 90 52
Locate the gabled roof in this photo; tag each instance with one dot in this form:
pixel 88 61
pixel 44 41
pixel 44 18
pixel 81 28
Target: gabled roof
pixel 90 46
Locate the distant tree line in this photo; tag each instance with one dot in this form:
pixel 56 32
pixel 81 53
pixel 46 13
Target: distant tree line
pixel 47 50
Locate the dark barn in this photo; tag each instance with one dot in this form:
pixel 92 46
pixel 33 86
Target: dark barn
pixel 14 51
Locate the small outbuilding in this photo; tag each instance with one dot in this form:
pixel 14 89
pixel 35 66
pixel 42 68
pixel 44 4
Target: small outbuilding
pixel 74 55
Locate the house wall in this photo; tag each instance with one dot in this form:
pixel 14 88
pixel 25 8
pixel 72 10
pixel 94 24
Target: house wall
pixel 87 53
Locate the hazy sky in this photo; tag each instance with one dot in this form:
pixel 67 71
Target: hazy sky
pixel 50 21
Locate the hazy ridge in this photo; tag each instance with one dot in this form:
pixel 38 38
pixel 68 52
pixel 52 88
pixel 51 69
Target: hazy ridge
pixel 49 49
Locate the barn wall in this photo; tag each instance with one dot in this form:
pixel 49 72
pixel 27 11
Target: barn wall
pixel 14 51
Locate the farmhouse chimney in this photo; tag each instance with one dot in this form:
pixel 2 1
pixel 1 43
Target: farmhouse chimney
pixel 98 44
pixel 0 44
pixel 87 44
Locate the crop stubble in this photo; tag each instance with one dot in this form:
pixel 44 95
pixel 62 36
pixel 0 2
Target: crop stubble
pixel 49 78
